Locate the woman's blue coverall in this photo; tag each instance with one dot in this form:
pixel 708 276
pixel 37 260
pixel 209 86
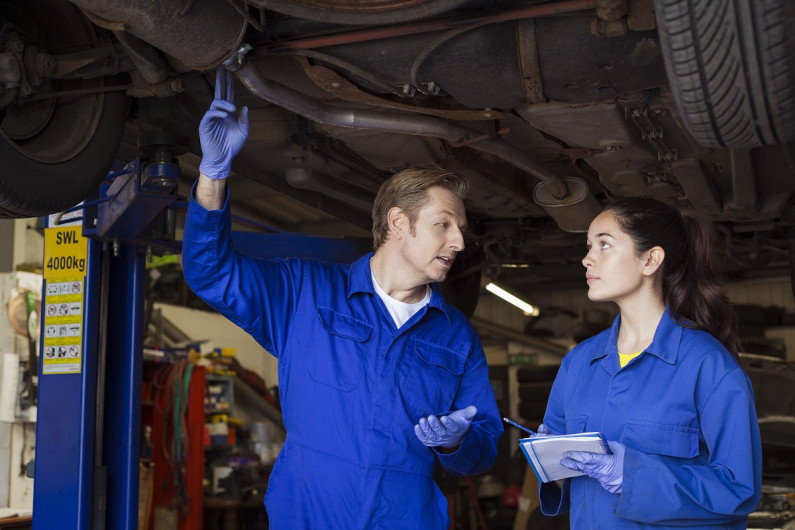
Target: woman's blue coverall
pixel 352 386
pixel 684 409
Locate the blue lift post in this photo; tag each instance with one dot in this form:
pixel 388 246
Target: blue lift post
pixel 63 495
pixel 89 410
pixel 86 467
pixel 123 374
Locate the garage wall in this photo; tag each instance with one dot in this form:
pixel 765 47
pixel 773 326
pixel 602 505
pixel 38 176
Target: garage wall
pixel 22 244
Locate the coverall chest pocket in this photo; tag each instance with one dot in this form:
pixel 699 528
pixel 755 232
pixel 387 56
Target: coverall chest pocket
pixel 665 439
pixel 576 424
pixel 432 382
pixel 337 358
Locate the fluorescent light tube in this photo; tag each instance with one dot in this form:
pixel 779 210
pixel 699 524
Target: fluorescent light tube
pixel 529 310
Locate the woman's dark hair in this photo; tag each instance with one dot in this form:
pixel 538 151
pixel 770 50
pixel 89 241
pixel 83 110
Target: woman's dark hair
pixel 692 288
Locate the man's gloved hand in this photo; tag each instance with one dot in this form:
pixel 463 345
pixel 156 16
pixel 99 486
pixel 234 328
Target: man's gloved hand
pixel 221 131
pixel 607 469
pixel 446 431
pixel 542 431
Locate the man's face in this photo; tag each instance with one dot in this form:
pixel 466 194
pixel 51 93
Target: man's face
pixel 430 246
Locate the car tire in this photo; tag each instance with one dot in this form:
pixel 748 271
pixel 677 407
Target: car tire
pixel 731 69
pixel 55 151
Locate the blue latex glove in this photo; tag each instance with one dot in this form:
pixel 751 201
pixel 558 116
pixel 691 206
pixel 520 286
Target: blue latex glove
pixel 221 132
pixel 607 469
pixel 446 431
pixel 542 431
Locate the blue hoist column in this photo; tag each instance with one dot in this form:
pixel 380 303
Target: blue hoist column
pixel 88 425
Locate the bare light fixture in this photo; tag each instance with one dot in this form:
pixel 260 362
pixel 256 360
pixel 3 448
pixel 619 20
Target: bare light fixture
pixel 528 309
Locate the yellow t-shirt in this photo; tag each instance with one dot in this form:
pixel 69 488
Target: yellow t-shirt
pixel 624 358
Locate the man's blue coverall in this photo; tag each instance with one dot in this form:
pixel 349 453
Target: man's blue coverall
pixel 684 409
pixel 352 386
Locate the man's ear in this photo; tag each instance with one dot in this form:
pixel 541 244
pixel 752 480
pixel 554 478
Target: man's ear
pixel 397 221
pixel 654 260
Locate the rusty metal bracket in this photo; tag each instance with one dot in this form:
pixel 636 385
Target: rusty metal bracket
pixel 651 132
pixel 343 89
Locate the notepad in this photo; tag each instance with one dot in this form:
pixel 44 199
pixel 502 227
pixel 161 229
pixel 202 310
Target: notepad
pixel 545 452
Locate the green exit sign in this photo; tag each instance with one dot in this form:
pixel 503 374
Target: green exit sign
pixel 522 358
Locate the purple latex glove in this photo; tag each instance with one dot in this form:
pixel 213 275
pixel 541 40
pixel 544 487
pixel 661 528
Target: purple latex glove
pixel 446 431
pixel 221 132
pixel 542 431
pixel 607 469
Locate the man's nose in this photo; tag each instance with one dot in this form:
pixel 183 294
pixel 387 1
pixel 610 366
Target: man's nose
pixel 457 241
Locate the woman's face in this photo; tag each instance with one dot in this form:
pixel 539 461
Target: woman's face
pixel 613 270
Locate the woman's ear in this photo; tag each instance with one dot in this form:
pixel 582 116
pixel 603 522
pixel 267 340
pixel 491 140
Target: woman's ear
pixel 654 260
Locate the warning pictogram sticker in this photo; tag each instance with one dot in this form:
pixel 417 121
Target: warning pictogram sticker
pixel 63 324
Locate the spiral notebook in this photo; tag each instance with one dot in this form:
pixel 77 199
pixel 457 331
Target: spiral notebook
pixel 545 452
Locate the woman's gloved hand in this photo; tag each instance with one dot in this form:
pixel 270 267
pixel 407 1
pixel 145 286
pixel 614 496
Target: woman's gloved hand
pixel 542 431
pixel 221 132
pixel 607 469
pixel 446 431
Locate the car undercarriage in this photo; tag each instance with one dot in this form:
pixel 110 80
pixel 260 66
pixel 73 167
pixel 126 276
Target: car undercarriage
pixel 550 108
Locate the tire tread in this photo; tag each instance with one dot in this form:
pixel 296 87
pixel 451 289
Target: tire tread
pixel 731 66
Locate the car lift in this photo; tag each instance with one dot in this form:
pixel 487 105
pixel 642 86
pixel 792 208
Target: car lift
pixel 90 371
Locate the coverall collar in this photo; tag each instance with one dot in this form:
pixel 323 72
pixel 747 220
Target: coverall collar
pixel 665 344
pixel 360 281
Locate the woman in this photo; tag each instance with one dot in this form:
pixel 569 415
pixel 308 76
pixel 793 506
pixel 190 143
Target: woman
pixel 663 384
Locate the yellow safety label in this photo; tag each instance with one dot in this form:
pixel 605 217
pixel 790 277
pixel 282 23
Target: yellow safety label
pixel 63 310
pixel 65 252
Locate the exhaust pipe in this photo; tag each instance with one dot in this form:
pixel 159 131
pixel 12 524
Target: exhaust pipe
pixel 557 196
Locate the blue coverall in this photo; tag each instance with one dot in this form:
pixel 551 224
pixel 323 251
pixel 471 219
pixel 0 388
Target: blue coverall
pixel 352 386
pixel 684 409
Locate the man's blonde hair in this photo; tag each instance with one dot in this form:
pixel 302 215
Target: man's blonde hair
pixel 408 190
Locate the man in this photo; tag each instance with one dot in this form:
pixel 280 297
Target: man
pixel 379 377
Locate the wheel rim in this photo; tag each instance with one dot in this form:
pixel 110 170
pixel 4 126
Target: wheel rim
pixel 51 130
pixel 54 132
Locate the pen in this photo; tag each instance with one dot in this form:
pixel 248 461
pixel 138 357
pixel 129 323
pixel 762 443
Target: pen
pixel 511 422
